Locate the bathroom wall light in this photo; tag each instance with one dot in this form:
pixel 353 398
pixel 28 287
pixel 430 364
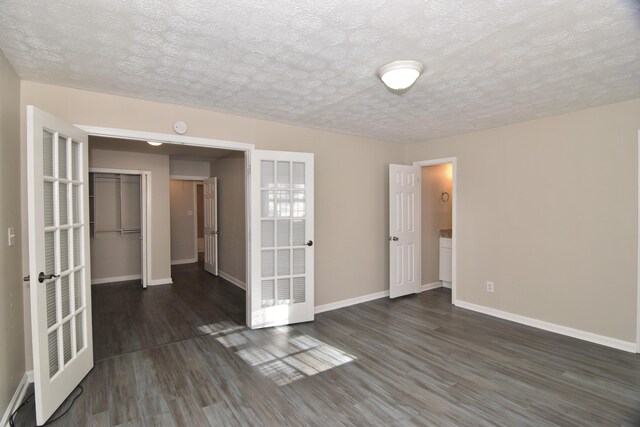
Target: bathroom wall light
pixel 154 143
pixel 400 75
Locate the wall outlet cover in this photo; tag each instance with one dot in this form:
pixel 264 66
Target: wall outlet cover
pixel 490 287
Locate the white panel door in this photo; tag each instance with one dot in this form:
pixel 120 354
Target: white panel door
pixel 404 230
pixel 58 224
pixel 282 251
pixel 211 232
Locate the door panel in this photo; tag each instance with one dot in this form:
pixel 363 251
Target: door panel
pixel 282 248
pixel 404 230
pixel 59 270
pixel 211 232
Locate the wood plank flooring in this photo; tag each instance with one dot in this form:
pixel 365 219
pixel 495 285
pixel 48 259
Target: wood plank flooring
pixel 181 355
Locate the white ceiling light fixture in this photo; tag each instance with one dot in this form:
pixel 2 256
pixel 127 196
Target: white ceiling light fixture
pixel 154 143
pixel 400 75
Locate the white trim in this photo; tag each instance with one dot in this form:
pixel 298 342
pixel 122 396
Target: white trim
pixel 350 301
pixel 163 137
pixel 183 261
pixel 429 286
pixel 157 282
pixel 16 399
pixel 638 258
pixel 551 327
pixel 446 284
pixel 103 280
pixel 229 278
pixel 29 376
pixel 188 178
pixel 454 215
pixel 195 219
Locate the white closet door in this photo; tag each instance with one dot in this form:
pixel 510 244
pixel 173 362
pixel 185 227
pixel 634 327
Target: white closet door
pixel 282 251
pixel 58 206
pixel 211 232
pixel 404 230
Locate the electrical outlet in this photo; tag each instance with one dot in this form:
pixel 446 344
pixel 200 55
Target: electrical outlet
pixel 490 287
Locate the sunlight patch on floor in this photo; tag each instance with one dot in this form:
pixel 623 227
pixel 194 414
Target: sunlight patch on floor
pixel 280 353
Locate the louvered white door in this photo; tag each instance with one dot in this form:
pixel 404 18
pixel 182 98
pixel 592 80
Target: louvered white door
pixel 282 251
pixel 211 232
pixel 404 230
pixel 58 206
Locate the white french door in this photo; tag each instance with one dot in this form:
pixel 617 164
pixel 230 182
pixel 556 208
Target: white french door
pixel 58 206
pixel 282 252
pixel 211 232
pixel 404 230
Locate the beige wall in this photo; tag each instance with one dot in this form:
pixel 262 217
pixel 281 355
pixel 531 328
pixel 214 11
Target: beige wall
pixel 183 231
pixel 158 165
pixel 547 209
pixel 350 172
pixel 436 215
pixel 232 255
pixel 12 333
pixel 181 167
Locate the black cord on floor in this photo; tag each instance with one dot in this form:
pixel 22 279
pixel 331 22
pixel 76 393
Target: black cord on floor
pixel 11 418
pixel 11 421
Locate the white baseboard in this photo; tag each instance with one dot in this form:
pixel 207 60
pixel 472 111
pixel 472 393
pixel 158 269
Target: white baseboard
pixel 229 278
pixel 429 286
pixel 184 261
pixel 351 301
pixel 446 284
pixel 115 279
pixel 30 376
pixel 156 282
pixel 16 400
pixel 551 327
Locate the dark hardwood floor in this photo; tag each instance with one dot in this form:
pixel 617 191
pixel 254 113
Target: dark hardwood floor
pixel 181 355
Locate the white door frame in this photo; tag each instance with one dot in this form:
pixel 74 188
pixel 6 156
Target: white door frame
pixel 454 214
pixel 638 258
pixel 145 215
pixel 196 142
pixel 195 217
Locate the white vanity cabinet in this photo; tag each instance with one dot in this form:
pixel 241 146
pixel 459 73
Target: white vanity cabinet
pixel 445 261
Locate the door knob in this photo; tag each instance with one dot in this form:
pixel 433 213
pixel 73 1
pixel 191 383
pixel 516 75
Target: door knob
pixel 393 239
pixel 310 243
pixel 42 277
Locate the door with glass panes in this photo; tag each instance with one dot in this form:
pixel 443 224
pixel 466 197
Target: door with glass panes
pixel 59 276
pixel 282 247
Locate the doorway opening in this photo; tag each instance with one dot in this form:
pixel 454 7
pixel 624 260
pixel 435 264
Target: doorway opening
pixel 117 203
pixel 438 224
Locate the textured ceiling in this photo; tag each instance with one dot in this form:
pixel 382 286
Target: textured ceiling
pixel 312 62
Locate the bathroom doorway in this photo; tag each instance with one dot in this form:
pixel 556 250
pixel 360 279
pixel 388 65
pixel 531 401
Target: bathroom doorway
pixel 438 224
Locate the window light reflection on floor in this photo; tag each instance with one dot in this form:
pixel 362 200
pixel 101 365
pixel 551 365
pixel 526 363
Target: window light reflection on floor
pixel 281 354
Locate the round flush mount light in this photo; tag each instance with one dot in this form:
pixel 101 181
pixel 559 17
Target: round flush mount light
pixel 400 75
pixel 154 143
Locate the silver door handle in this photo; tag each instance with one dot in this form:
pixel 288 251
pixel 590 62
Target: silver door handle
pixel 215 232
pixel 393 239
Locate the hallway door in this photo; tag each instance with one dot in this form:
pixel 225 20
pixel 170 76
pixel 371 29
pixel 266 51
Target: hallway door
pixel 211 232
